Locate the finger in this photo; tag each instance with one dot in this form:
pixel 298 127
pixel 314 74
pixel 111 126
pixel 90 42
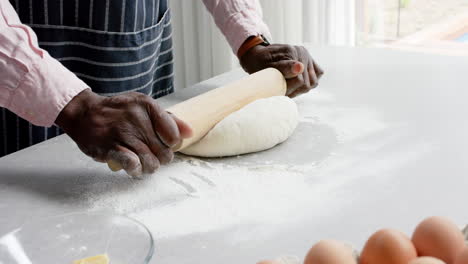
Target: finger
pixel 164 154
pixel 312 75
pixel 127 160
pixel 185 129
pixel 289 68
pixel 93 153
pixel 296 93
pixel 301 90
pixel 152 146
pixel 150 163
pixel 318 69
pixel 164 125
pixel 306 85
pixel 306 76
pixel 114 165
pixel 294 84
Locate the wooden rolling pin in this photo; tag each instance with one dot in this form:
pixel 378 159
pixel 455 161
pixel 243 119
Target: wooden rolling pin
pixel 204 111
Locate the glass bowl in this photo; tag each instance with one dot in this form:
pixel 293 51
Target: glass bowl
pixel 66 238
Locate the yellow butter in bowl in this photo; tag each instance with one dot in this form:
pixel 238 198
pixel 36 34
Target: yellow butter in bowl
pixel 99 259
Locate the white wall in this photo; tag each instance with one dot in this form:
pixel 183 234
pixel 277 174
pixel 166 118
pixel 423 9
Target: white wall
pixel 202 52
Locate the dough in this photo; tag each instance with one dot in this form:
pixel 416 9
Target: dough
pixel 258 126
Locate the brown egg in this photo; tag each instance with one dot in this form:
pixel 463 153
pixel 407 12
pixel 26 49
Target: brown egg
pixel 330 252
pixel 427 260
pixel 440 238
pixel 388 246
pixel 462 257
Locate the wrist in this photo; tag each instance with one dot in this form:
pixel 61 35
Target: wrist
pixel 251 60
pixel 75 109
pixel 250 43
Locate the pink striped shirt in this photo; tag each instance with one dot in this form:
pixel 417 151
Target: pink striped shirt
pixel 37 87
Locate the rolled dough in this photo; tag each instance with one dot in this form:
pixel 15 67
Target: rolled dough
pixel 258 126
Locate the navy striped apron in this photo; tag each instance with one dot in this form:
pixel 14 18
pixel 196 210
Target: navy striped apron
pixel 114 46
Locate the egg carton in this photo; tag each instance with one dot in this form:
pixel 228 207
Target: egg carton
pixel 297 260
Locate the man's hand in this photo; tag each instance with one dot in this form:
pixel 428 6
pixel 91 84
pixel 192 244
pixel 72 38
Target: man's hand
pixel 129 129
pixel 300 70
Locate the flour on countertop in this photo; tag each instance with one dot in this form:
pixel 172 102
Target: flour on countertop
pixel 264 189
pixel 211 195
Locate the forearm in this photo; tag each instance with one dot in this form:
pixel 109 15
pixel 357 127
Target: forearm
pixel 33 85
pixel 238 20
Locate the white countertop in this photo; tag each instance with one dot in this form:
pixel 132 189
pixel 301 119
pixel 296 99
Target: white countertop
pixel 382 143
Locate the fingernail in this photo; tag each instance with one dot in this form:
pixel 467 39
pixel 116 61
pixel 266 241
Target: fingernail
pixel 298 67
pixel 136 173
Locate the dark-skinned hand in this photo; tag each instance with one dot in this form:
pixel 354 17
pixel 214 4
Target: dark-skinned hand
pixel 301 72
pixel 131 129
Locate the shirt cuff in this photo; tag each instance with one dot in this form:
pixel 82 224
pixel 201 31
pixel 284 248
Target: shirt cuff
pixel 44 91
pixel 243 25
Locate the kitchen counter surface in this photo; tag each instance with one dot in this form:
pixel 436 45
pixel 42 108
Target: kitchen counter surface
pixel 381 143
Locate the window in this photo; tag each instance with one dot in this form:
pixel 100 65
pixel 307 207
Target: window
pixel 424 25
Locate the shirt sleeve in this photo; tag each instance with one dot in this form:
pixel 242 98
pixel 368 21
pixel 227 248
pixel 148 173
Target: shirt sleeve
pixel 33 85
pixel 238 20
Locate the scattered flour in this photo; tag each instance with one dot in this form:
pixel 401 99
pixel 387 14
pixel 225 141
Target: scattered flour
pixel 266 189
pixel 212 196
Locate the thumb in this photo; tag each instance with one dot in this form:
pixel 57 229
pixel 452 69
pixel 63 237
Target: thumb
pixel 184 128
pixel 289 68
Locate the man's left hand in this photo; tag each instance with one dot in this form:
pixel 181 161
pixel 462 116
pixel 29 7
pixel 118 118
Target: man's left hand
pixel 302 73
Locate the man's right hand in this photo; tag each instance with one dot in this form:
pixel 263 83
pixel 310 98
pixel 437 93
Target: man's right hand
pixel 131 129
